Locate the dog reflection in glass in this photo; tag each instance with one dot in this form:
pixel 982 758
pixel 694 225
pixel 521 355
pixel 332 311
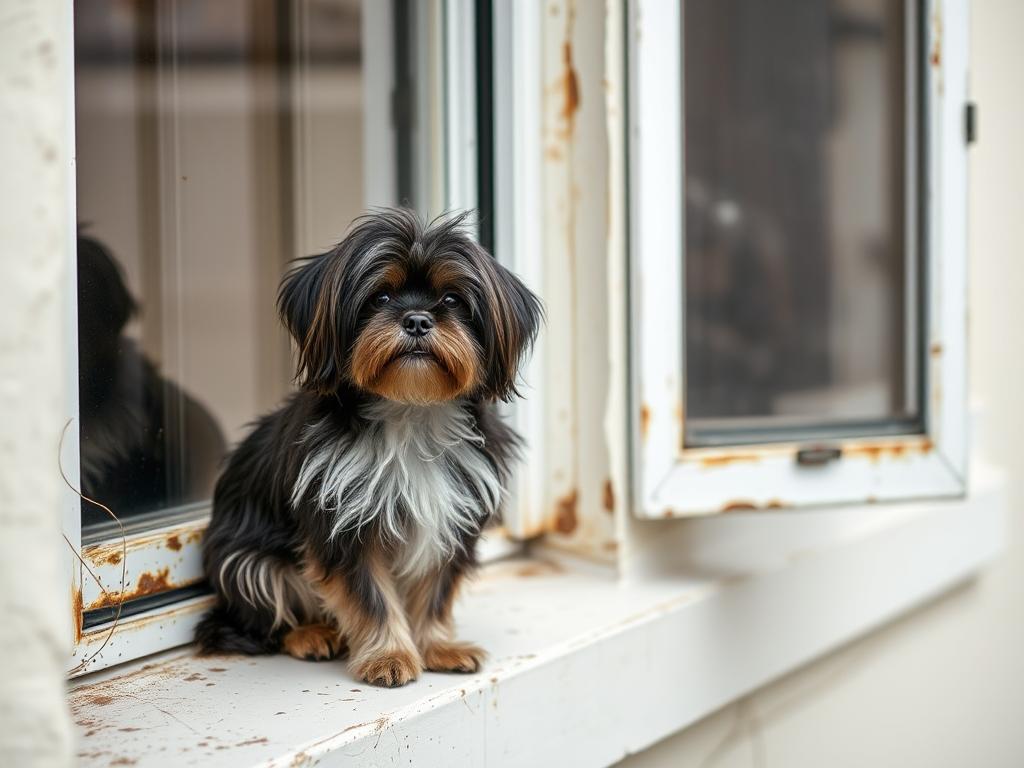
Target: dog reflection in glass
pixel 345 522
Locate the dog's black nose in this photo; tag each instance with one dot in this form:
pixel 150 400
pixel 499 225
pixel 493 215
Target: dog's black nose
pixel 417 323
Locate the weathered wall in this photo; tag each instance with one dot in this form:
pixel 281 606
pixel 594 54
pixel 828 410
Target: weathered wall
pixel 942 687
pixel 35 630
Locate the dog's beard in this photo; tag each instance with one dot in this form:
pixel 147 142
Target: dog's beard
pixel 437 368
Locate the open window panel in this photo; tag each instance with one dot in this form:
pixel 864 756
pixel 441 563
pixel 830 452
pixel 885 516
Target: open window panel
pixel 798 252
pixel 215 143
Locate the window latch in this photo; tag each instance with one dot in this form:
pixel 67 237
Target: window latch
pixel 817 456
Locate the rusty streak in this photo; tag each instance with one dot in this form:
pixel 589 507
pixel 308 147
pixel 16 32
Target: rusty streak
pixel 645 421
pixel 725 459
pixel 739 506
pixel 76 613
pixel 609 496
pixel 565 513
pixel 146 584
pixel 570 88
pixel 875 452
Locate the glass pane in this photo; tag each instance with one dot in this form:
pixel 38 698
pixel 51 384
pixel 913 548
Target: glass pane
pixel 215 142
pixel 801 265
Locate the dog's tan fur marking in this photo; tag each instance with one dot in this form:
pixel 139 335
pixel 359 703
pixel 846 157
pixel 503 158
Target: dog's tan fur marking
pixel 380 652
pixel 313 642
pixel 452 372
pixel 433 630
pixel 453 657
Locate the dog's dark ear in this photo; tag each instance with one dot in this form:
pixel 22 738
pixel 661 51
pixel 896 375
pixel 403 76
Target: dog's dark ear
pixel 308 303
pixel 512 318
pixel 103 296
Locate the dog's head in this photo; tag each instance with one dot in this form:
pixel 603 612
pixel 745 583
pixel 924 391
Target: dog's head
pixel 411 313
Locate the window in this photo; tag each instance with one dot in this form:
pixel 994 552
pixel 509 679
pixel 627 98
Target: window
pixel 798 272
pixel 215 143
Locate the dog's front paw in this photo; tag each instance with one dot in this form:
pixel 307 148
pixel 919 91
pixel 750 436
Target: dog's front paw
pixel 453 657
pixel 390 669
pixel 313 642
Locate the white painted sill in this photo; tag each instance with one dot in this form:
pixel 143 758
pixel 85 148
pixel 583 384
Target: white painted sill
pixel 584 669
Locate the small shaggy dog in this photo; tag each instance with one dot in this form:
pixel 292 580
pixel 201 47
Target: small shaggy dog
pixel 347 519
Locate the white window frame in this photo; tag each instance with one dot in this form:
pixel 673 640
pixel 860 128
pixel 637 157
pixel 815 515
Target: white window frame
pixel 671 481
pixel 169 557
pixel 518 239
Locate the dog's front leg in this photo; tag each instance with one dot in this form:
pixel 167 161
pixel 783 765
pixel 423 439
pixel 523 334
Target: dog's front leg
pixel 429 604
pixel 364 601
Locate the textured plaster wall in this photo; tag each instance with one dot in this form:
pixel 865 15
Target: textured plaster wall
pixel 35 174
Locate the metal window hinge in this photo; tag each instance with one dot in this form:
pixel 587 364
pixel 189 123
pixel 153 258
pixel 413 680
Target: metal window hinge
pixel 817 456
pixel 970 122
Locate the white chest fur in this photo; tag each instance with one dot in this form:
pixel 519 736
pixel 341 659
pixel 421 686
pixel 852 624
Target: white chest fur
pixel 416 471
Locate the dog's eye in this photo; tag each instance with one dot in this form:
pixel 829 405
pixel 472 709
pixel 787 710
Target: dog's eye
pixel 382 298
pixel 450 300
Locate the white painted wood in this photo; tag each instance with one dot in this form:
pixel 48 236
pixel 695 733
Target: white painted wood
pixel 459 89
pixel 171 554
pixel 583 670
pixel 518 216
pixel 671 481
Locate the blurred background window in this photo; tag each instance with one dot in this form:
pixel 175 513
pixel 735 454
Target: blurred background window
pixel 801 264
pixel 215 143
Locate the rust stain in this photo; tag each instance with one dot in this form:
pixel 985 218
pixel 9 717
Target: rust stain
pixel 876 452
pixel 726 459
pixel 538 568
pixel 76 613
pixel 935 350
pixel 174 539
pixel 739 506
pixel 570 88
pixel 609 496
pixel 645 420
pixel 113 558
pixel 100 699
pixel 247 742
pixel 935 53
pixel 746 505
pixel 565 513
pixel 146 584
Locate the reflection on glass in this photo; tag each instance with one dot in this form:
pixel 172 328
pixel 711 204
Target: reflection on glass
pixel 216 141
pixel 800 283
pixel 145 443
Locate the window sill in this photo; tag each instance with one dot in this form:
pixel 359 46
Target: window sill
pixel 579 662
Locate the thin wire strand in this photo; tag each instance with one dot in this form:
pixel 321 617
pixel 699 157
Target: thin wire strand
pixel 124 553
